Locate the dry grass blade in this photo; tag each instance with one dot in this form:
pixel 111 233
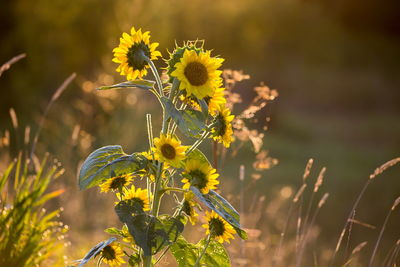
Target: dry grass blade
pixel 55 96
pixel 323 200
pixel 384 167
pixel 307 232
pixel 359 247
pixel 320 179
pixel 8 64
pixel 349 217
pixel 370 226
pixel 14 118
pixel 395 203
pixel 307 169
pixel 299 193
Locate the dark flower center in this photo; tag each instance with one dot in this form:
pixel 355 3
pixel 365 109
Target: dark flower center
pixel 118 182
pixel 186 208
pixel 199 179
pixel 135 55
pixel 108 253
pixel 217 227
pixel 220 129
pixel 196 73
pixel 168 151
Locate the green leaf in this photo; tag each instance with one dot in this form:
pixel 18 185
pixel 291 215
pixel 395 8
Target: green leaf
pixel 204 107
pixel 198 155
pixel 186 253
pixel 114 231
pixel 221 206
pixel 106 162
pixel 96 250
pixel 150 233
pixel 167 231
pixel 190 122
pixel 215 255
pixel 141 84
pixel 134 260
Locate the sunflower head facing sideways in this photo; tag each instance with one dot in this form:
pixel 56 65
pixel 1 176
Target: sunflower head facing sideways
pixel 178 52
pixel 200 175
pixel 112 255
pixel 116 182
pixel 188 207
pixel 132 52
pixel 136 196
pixel 169 149
pixel 198 73
pixel 222 132
pixel 218 228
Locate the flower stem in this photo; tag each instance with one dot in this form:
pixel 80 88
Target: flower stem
pixel 203 252
pixel 155 74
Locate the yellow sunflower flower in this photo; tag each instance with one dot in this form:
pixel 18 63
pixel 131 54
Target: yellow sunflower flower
pixel 115 183
pixel 200 175
pixel 169 149
pixel 218 228
pixel 129 54
pixel 112 255
pixel 138 196
pixel 188 207
pixel 198 73
pixel 223 132
pixel 216 100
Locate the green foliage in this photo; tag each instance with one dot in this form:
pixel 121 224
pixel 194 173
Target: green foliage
pixel 190 122
pixel 107 161
pixel 186 253
pixel 221 206
pixel 29 235
pixel 150 233
pixel 141 84
pixel 95 251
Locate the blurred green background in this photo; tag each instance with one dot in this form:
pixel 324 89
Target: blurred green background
pixel 336 65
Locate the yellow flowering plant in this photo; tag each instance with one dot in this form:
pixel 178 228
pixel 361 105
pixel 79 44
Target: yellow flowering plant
pixel 193 104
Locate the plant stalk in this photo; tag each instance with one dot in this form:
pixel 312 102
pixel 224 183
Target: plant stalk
pixel 203 252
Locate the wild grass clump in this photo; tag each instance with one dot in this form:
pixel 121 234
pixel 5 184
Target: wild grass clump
pixel 29 234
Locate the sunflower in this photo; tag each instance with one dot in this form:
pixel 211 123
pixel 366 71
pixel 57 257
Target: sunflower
pixel 136 196
pixel 216 100
pixel 112 255
pixel 131 51
pixel 200 175
pixel 223 132
pixel 198 73
pixel 188 207
pixel 116 182
pixel 218 228
pixel 169 149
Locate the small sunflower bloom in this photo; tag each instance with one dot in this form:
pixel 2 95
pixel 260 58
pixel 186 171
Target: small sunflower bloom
pixel 137 196
pixel 131 53
pixel 200 175
pixel 198 73
pixel 188 207
pixel 116 183
pixel 216 100
pixel 223 132
pixel 218 228
pixel 168 149
pixel 112 255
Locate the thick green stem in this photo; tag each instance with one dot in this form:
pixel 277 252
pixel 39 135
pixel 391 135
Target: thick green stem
pixel 203 252
pixel 155 74
pixel 147 261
